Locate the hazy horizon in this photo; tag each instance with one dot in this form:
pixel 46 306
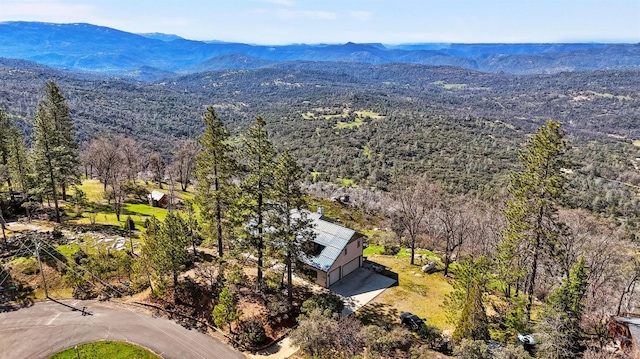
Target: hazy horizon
pixel 283 22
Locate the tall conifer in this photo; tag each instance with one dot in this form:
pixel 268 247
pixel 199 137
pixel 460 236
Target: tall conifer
pixel 215 168
pixel 257 186
pixel 533 226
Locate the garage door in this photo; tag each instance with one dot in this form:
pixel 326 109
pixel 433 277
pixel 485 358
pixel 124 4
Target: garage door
pixel 351 266
pixel 334 276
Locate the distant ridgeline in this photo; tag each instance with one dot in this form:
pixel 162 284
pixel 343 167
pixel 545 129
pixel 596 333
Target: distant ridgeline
pixel 150 56
pixel 362 115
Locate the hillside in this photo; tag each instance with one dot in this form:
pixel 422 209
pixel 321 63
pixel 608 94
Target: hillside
pixel 87 47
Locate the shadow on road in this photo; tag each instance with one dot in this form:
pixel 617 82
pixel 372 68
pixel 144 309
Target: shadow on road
pixel 83 310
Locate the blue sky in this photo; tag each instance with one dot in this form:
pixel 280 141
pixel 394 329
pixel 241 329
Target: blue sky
pixel 338 21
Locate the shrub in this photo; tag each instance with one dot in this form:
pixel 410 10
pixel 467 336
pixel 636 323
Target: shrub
pixel 391 249
pixel 472 349
pixel 79 255
pixel 26 266
pixel 328 303
pixel 252 332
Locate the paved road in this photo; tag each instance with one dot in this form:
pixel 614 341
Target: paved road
pixel 48 327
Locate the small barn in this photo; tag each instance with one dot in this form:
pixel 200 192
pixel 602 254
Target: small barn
pixel 158 199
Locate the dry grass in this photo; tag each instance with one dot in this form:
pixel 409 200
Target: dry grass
pixel 417 292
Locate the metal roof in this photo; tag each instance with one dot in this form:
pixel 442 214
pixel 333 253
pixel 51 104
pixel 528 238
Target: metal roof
pixel 156 195
pixel 333 237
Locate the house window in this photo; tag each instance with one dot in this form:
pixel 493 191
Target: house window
pixel 358 244
pixel 345 251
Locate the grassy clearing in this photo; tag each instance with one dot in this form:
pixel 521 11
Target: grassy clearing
pixel 455 86
pixel 106 349
pixel 370 114
pixel 350 125
pixel 417 292
pixel 348 182
pixel 100 212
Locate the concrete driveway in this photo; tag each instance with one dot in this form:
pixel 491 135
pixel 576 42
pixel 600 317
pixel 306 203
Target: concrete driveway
pixel 359 288
pixel 48 327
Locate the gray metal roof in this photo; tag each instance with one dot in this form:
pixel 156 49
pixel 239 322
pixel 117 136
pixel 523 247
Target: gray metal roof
pixel 333 237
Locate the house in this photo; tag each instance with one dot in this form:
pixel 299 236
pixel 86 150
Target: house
pixel 340 250
pixel 625 329
pixel 158 199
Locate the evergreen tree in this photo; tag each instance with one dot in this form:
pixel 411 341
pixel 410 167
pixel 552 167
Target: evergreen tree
pixel 166 247
pixel 55 149
pixel 533 227
pixel 214 170
pixel 20 166
pixel 559 325
pixel 473 323
pixel 46 153
pixel 257 187
pixel 292 229
pixel 470 273
pixel 226 311
pixel 6 132
pixel 67 154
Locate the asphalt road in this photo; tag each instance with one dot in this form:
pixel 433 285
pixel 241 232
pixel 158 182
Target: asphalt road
pixel 48 327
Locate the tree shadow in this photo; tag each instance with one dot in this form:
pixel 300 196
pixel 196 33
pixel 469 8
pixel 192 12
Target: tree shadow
pixel 380 314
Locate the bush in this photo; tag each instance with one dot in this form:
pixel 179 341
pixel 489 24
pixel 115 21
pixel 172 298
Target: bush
pixel 79 255
pixel 433 337
pixel 473 349
pixel 236 276
pixel 26 266
pixel 385 342
pixel 252 332
pixel 391 249
pixel 328 303
pixel 273 280
pixel 513 352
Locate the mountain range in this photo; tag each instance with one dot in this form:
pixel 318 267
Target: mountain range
pixel 86 47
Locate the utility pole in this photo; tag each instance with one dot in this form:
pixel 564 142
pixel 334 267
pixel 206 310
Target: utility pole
pixel 44 282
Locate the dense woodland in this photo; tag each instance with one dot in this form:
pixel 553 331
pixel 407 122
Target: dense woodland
pixel 533 218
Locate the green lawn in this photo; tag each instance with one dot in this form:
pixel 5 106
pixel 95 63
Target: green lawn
pixel 417 292
pixel 106 349
pixel 102 213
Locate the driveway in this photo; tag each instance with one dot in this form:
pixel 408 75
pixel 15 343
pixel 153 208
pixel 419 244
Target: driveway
pixel 49 327
pixel 359 288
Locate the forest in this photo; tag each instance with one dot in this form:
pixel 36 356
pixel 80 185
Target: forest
pixel 522 188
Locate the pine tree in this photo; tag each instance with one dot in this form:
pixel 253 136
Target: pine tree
pixel 473 323
pixel 257 186
pixel 55 149
pixel 215 168
pixel 166 247
pixel 6 132
pixel 67 154
pixel 46 155
pixel 20 166
pixel 559 325
pixel 292 229
pixel 226 311
pixel 533 227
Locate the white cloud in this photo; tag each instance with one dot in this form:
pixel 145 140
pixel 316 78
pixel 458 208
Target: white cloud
pixel 361 15
pixel 315 15
pixel 281 2
pixel 44 11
